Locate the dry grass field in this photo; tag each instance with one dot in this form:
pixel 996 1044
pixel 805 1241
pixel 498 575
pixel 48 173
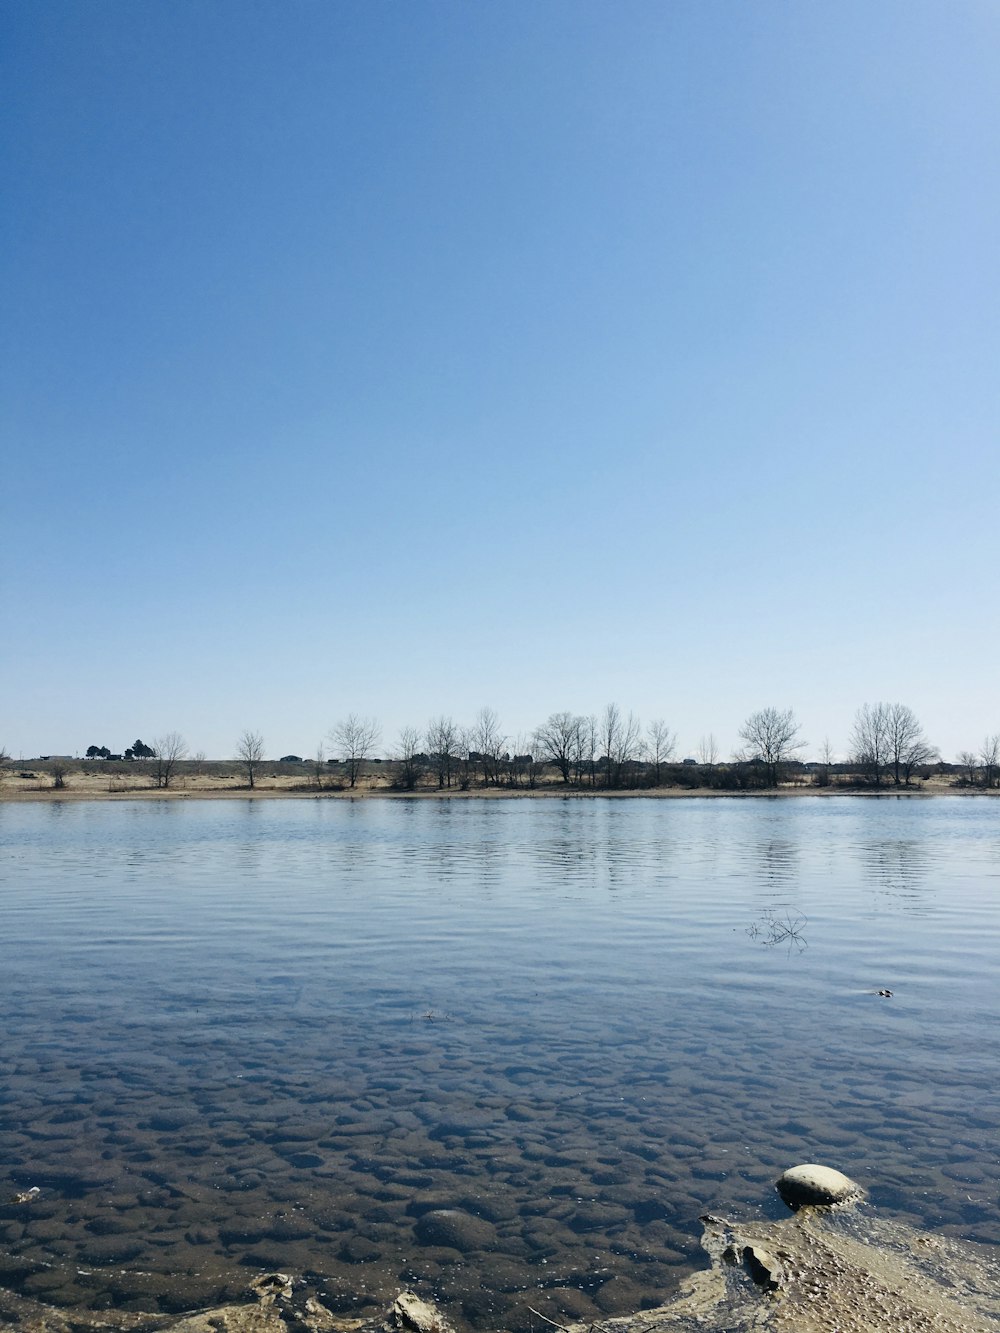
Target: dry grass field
pixel 80 779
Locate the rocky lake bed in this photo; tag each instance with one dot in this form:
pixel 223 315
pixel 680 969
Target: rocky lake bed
pixel 504 1059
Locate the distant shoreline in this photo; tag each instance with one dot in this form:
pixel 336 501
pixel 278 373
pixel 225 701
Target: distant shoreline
pixel 12 796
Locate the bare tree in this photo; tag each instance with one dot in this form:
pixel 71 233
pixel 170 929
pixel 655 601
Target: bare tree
pixel 609 740
pixel 969 763
pixel 661 743
pixel 60 768
pixel 888 739
pixel 4 761
pixel 466 763
pixel 406 756
pixel 168 750
pixel 629 745
pixel 822 777
pixel 443 744
pixel 558 741
pixel 708 750
pixel 588 750
pixel 355 738
pixel 250 753
pixel 989 757
pixel 772 737
pixel 523 767
pixel 870 749
pixel 621 742
pixel 319 765
pixel 908 746
pixel 489 742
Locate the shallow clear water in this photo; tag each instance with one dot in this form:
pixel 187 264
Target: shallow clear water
pixel 286 1034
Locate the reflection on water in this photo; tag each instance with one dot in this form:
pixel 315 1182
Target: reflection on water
pixel 505 1053
pixel 777 861
pixel 899 866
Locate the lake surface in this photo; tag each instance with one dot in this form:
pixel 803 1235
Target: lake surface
pixel 503 1053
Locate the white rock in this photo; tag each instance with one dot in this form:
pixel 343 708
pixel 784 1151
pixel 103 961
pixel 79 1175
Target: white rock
pixel 814 1184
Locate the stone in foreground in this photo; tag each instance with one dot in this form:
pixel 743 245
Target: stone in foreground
pixel 816 1185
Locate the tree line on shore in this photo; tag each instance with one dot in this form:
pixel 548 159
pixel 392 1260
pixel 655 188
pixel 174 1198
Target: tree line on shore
pixel 611 751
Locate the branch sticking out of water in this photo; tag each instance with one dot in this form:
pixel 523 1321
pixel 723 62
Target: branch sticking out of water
pixel 772 930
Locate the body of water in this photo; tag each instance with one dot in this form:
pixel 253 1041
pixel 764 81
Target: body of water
pixel 503 1053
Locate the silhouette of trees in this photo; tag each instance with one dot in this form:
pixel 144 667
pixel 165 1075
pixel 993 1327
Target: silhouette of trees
pixel 250 753
pixel 486 744
pixel 908 746
pixel 355 738
pixel 660 745
pixel 888 739
pixel 822 774
pixel 621 742
pixel 443 743
pixel 989 758
pixel 319 765
pixel 523 766
pixel 771 737
pixel 982 769
pixel 559 741
pixel 168 751
pixel 587 760
pixel 887 745
pixel 870 741
pixel 406 755
pixel 708 750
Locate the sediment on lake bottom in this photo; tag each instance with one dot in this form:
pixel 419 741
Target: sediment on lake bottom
pixel 823 1270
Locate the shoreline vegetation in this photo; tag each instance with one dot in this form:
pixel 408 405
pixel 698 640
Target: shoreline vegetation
pixel 87 780
pixel 567 755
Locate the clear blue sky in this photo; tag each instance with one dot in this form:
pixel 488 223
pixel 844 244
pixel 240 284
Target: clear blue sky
pixel 402 358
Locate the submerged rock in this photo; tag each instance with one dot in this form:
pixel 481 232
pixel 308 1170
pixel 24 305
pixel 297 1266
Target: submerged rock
pixel 269 1286
pixel 455 1229
pixel 816 1185
pixel 823 1270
